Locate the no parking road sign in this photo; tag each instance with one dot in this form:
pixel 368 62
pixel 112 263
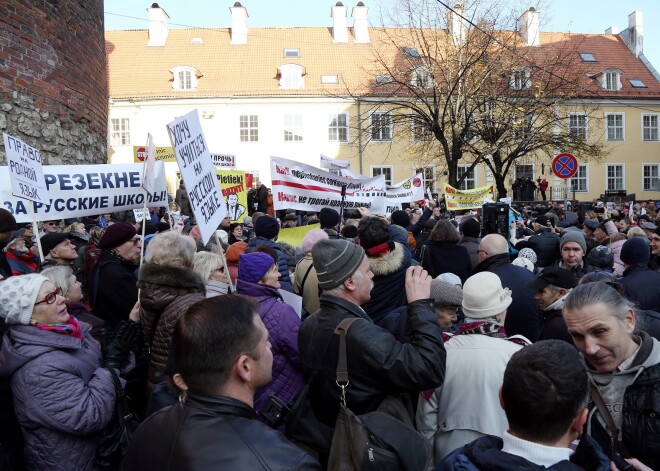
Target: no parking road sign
pixel 564 165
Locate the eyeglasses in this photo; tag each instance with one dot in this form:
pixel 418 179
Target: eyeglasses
pixel 50 297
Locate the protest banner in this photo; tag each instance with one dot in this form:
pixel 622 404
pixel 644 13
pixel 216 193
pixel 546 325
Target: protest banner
pixel 457 200
pixel 410 189
pixel 299 186
pixel 334 164
pixel 165 154
pixel 198 173
pixel 85 190
pixel 295 235
pixel 225 161
pixel 234 190
pixel 350 174
pixel 27 175
pixel 140 214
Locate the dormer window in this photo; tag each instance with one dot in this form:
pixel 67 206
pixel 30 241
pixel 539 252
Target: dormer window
pixel 292 76
pixel 185 78
pixel 292 53
pixel 520 79
pixel 610 80
pixel 421 78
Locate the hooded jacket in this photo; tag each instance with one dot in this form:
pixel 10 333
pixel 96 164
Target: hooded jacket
pixel 63 397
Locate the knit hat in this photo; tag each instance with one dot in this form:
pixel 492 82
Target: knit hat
pixel 247 220
pixel 7 221
pixel 117 234
pixel 483 296
pixel 328 217
pixel 234 250
pixel 253 266
pixel 524 263
pixel 349 232
pixel 52 240
pixel 17 297
pixel 335 260
pixel 470 227
pixel 591 224
pixel 266 227
pixel 601 257
pixel 573 236
pixel 554 276
pixel 400 218
pixel 529 254
pixel 311 238
pixel 446 294
pixel 635 251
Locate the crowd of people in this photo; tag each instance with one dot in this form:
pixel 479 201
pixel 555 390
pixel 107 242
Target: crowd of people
pixel 532 348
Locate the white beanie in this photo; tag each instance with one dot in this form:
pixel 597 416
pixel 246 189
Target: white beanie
pixel 17 297
pixel 483 296
pixel 524 263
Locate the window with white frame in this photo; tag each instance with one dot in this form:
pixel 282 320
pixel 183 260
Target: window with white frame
pixel 420 129
pixel 615 127
pixel 292 76
pixel 650 176
pixel 470 182
pixel 184 78
pixel 421 78
pixel 249 128
pixel 428 176
pixel 611 80
pixel 521 79
pixel 650 127
pixel 616 177
pixel 577 126
pixel 338 127
pixel 580 180
pixel 522 126
pixel 293 124
pixel 381 126
pixel 385 170
pixel 121 132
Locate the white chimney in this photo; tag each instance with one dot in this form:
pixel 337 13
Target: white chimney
pixel 157 25
pixel 612 30
pixel 528 27
pixel 239 30
pixel 339 28
pixel 360 23
pixel 634 35
pixel 456 24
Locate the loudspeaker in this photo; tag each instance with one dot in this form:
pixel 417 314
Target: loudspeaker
pixel 495 219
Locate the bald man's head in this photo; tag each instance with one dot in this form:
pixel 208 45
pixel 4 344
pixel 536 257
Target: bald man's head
pixel 494 244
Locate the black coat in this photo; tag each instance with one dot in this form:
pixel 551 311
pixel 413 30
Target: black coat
pixel 553 326
pixel 546 246
pixel 212 432
pixel 642 286
pixel 523 316
pixel 378 364
pixel 438 258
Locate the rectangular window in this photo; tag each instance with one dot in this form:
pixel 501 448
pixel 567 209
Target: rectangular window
pixel 428 174
pixel 519 80
pixel 580 180
pixel 249 127
pixel 650 175
pixel 292 53
pixel 525 171
pixel 650 127
pixel 293 124
pixel 522 127
pixel 577 126
pixel 614 126
pixel 611 81
pixel 185 80
pixel 381 126
pixel 327 79
pixel 615 177
pixel 420 129
pixel 385 170
pixel 338 127
pixel 121 132
pixel 470 181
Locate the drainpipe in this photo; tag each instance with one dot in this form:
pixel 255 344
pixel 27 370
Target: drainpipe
pixel 359 112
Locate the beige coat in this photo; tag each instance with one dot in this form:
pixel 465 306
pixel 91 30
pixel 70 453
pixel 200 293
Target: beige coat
pixel 310 291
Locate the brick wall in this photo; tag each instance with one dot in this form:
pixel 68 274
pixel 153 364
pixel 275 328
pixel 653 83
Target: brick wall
pixel 53 80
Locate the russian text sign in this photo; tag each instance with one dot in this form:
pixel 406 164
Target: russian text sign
pixel 27 175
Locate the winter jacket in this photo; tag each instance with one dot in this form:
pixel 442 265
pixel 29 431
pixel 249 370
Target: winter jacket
pixel 485 454
pixel 165 293
pixel 212 433
pixel 282 262
pixel 309 291
pixel 182 200
pixel 648 321
pixel 634 396
pixel 283 325
pixel 438 258
pixel 378 364
pixel 472 246
pixel 112 288
pixel 553 326
pixel 616 250
pixel 642 286
pixel 63 397
pixel 389 291
pixel 22 263
pixel 546 246
pixel 523 316
pixel 466 406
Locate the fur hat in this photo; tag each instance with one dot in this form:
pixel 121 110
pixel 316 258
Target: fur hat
pixel 266 227
pixel 470 227
pixel 328 218
pixel 7 221
pixel 400 218
pixel 117 234
pixel 17 297
pixel 635 251
pixel 311 238
pixel 446 294
pixel 574 236
pixel 253 266
pixel 234 250
pixel 529 254
pixel 484 296
pixel 335 260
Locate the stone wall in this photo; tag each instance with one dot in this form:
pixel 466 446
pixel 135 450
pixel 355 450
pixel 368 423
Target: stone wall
pixel 53 80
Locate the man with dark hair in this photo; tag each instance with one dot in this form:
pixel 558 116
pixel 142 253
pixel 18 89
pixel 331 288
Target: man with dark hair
pixel 223 357
pixel 545 242
pixel 550 288
pixel 544 396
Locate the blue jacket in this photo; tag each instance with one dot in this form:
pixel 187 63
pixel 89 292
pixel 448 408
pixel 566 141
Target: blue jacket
pixel 282 264
pixel 642 286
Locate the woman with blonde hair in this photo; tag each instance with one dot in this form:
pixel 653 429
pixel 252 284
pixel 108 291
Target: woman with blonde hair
pixel 209 267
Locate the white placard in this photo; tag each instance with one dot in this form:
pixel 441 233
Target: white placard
pixel 224 161
pixel 140 214
pixel 149 173
pixel 25 171
pixel 327 162
pixel 506 200
pixel 198 173
pixel 292 300
pixel 409 190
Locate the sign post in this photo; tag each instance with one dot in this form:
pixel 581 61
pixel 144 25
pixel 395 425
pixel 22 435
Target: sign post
pixel 565 166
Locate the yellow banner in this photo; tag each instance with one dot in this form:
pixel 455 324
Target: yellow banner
pixel 457 200
pixel 234 191
pixel 166 154
pixel 295 235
